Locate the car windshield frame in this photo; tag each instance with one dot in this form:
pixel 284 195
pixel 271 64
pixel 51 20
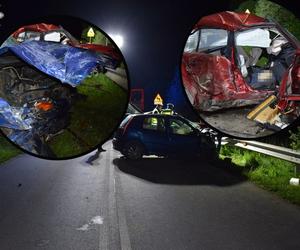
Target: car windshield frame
pixel 198 49
pixel 284 32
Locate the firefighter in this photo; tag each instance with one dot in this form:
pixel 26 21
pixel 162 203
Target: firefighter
pixel 169 110
pixel 158 109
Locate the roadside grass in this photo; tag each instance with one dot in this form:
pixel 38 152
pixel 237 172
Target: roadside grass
pixel 93 117
pixel 7 150
pixel 267 172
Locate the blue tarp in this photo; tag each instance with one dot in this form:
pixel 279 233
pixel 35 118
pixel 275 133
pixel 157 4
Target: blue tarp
pixel 68 64
pixel 13 117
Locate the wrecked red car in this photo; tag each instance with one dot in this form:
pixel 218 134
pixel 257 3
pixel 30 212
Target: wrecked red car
pixel 54 33
pixel 237 59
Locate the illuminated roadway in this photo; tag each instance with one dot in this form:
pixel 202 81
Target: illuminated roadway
pixel 154 203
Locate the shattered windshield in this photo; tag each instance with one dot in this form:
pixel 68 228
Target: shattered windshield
pixel 28 35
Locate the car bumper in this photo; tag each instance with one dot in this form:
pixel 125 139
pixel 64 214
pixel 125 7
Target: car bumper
pixel 117 145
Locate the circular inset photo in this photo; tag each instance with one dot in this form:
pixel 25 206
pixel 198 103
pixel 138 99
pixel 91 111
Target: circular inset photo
pixel 240 72
pixel 63 87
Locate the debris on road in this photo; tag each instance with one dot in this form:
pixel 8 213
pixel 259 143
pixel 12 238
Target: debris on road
pixel 97 220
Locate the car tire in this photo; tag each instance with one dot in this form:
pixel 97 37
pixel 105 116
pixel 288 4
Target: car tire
pixel 133 150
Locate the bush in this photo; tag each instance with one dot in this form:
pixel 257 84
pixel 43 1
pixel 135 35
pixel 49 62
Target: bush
pixel 295 138
pixel 287 19
pixel 273 11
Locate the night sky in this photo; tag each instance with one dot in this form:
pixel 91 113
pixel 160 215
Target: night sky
pixel 154 31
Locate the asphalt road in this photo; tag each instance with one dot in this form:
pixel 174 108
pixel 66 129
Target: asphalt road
pixel 235 122
pixel 154 203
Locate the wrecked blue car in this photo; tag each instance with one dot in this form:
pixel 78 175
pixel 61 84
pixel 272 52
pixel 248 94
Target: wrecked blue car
pixel 38 82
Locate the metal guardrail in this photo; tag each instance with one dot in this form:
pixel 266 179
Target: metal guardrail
pixel 267 149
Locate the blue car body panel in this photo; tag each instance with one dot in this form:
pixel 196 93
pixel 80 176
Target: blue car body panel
pixel 66 63
pixel 160 142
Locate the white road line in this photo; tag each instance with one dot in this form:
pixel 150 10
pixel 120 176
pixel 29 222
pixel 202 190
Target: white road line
pixel 105 232
pixel 123 228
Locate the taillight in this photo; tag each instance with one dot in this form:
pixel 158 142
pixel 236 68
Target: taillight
pixel 126 125
pixel 118 133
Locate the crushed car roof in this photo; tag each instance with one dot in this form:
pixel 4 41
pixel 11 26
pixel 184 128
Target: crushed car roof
pixel 41 27
pixel 229 20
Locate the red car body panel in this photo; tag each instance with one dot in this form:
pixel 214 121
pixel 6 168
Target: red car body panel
pixel 289 92
pixel 215 82
pixel 229 20
pixel 41 27
pixel 107 50
pixel 45 28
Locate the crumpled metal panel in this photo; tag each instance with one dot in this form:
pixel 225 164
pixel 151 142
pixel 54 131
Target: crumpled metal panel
pixel 68 64
pixel 212 82
pixel 14 117
pixel 229 20
pixel 40 27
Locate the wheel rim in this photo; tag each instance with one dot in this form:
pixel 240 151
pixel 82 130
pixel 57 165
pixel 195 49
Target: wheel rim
pixel 133 151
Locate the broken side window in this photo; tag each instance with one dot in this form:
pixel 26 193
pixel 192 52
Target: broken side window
pixel 212 38
pixel 52 37
pixel 250 45
pixel 28 35
pixel 192 42
pixel 254 37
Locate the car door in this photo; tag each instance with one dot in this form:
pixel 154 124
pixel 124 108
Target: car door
pixel 183 139
pixel 207 68
pixel 154 134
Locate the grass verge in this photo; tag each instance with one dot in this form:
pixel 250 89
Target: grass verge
pixel 7 150
pixel 93 117
pixel 267 172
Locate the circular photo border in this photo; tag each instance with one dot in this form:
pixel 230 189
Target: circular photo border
pixel 282 131
pixel 48 18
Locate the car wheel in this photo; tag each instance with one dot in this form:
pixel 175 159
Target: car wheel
pixel 133 150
